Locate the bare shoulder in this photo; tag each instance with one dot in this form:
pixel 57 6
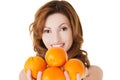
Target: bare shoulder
pixel 94 68
pixel 94 73
pixel 22 75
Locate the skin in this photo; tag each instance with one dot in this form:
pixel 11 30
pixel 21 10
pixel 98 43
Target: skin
pixel 57 33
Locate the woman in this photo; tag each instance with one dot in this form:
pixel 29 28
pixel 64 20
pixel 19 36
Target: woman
pixel 57 24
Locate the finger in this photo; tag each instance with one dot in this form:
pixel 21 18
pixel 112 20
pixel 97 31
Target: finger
pixel 66 75
pixel 29 75
pixel 39 75
pixel 86 73
pixel 78 76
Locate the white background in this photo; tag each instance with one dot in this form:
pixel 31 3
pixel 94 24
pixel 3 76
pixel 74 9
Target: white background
pixel 100 20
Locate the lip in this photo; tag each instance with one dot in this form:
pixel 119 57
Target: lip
pixel 57 45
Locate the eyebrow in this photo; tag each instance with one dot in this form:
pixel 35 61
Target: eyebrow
pixel 58 26
pixel 61 24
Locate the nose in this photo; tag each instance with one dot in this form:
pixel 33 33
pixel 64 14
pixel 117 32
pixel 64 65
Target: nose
pixel 56 37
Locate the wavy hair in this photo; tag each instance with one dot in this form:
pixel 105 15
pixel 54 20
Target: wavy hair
pixel 65 8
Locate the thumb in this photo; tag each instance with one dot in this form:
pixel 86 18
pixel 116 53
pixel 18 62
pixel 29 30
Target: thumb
pixel 39 75
pixel 78 76
pixel 66 75
pixel 29 75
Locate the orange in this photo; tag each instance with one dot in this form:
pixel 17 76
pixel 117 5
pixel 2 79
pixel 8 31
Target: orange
pixel 53 73
pixel 74 66
pixel 35 64
pixel 56 56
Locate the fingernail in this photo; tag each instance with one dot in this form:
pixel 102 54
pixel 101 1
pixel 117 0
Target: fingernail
pixel 39 73
pixel 78 76
pixel 28 71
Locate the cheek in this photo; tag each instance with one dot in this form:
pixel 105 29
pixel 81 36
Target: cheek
pixel 69 40
pixel 67 37
pixel 45 40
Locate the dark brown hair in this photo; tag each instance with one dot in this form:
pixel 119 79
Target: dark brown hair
pixel 65 8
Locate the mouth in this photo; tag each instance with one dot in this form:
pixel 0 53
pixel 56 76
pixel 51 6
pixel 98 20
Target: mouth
pixel 58 45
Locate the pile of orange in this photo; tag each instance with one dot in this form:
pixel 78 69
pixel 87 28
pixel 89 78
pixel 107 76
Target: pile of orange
pixel 53 66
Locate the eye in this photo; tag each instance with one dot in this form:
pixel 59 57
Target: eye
pixel 63 28
pixel 46 31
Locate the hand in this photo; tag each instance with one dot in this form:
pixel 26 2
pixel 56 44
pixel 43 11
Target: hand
pixel 29 77
pixel 68 78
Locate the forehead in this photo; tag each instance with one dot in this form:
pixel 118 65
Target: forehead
pixel 56 19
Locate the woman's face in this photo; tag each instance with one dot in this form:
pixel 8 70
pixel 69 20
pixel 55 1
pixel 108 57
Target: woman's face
pixel 57 32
